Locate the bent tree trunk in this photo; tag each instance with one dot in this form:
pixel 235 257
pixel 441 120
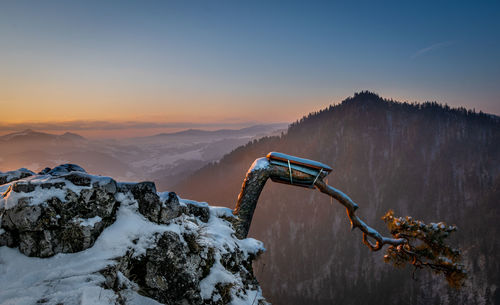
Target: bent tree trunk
pixel 256 178
pixel 412 241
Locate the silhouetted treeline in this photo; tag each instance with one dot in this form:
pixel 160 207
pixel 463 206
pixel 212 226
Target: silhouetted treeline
pixel 366 99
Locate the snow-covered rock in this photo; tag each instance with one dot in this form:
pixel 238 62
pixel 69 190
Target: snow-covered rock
pixel 6 177
pixel 68 237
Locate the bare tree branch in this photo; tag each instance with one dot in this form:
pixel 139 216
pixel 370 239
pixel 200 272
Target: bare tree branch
pixel 351 208
pixel 255 180
pixel 430 252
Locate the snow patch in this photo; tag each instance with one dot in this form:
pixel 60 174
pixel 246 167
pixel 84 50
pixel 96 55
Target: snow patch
pixel 260 163
pixel 89 222
pixel 44 189
pixel 218 274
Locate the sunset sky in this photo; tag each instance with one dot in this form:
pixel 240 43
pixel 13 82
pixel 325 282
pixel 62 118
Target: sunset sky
pixel 236 63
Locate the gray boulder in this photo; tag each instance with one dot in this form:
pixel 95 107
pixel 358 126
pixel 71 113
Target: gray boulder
pixel 61 214
pixel 151 206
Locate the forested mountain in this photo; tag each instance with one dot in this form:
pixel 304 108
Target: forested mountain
pixel 425 160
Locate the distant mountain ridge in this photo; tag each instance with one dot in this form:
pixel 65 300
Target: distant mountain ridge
pixel 426 160
pixel 225 132
pixel 162 158
pixel 29 135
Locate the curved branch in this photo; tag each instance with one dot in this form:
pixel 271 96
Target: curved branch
pixel 255 180
pixel 351 208
pixel 253 184
pixel 432 253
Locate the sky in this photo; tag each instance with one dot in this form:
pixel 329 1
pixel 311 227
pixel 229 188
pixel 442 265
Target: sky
pixel 236 63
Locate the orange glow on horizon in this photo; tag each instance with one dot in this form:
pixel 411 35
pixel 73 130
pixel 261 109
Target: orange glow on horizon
pixel 24 108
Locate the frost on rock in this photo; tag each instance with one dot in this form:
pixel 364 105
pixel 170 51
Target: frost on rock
pixel 68 237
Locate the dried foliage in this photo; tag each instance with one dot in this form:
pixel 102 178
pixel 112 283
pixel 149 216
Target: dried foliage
pixel 425 247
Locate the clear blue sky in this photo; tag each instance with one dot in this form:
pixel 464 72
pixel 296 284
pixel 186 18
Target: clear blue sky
pixel 233 61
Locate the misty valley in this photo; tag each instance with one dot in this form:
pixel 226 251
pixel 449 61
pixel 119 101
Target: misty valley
pixel 165 158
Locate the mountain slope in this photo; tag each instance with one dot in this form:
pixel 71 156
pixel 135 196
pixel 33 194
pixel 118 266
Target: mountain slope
pixel 424 160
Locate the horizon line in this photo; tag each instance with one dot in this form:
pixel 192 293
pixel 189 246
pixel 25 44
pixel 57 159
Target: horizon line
pixel 79 126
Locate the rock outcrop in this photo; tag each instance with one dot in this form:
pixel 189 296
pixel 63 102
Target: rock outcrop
pixel 9 176
pixel 87 239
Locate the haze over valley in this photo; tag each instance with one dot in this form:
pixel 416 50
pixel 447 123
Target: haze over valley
pixel 164 158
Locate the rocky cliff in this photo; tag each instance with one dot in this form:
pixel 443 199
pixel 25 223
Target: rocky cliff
pixel 68 237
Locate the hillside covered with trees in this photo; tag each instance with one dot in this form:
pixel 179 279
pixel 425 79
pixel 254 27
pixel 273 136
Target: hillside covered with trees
pixel 425 160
